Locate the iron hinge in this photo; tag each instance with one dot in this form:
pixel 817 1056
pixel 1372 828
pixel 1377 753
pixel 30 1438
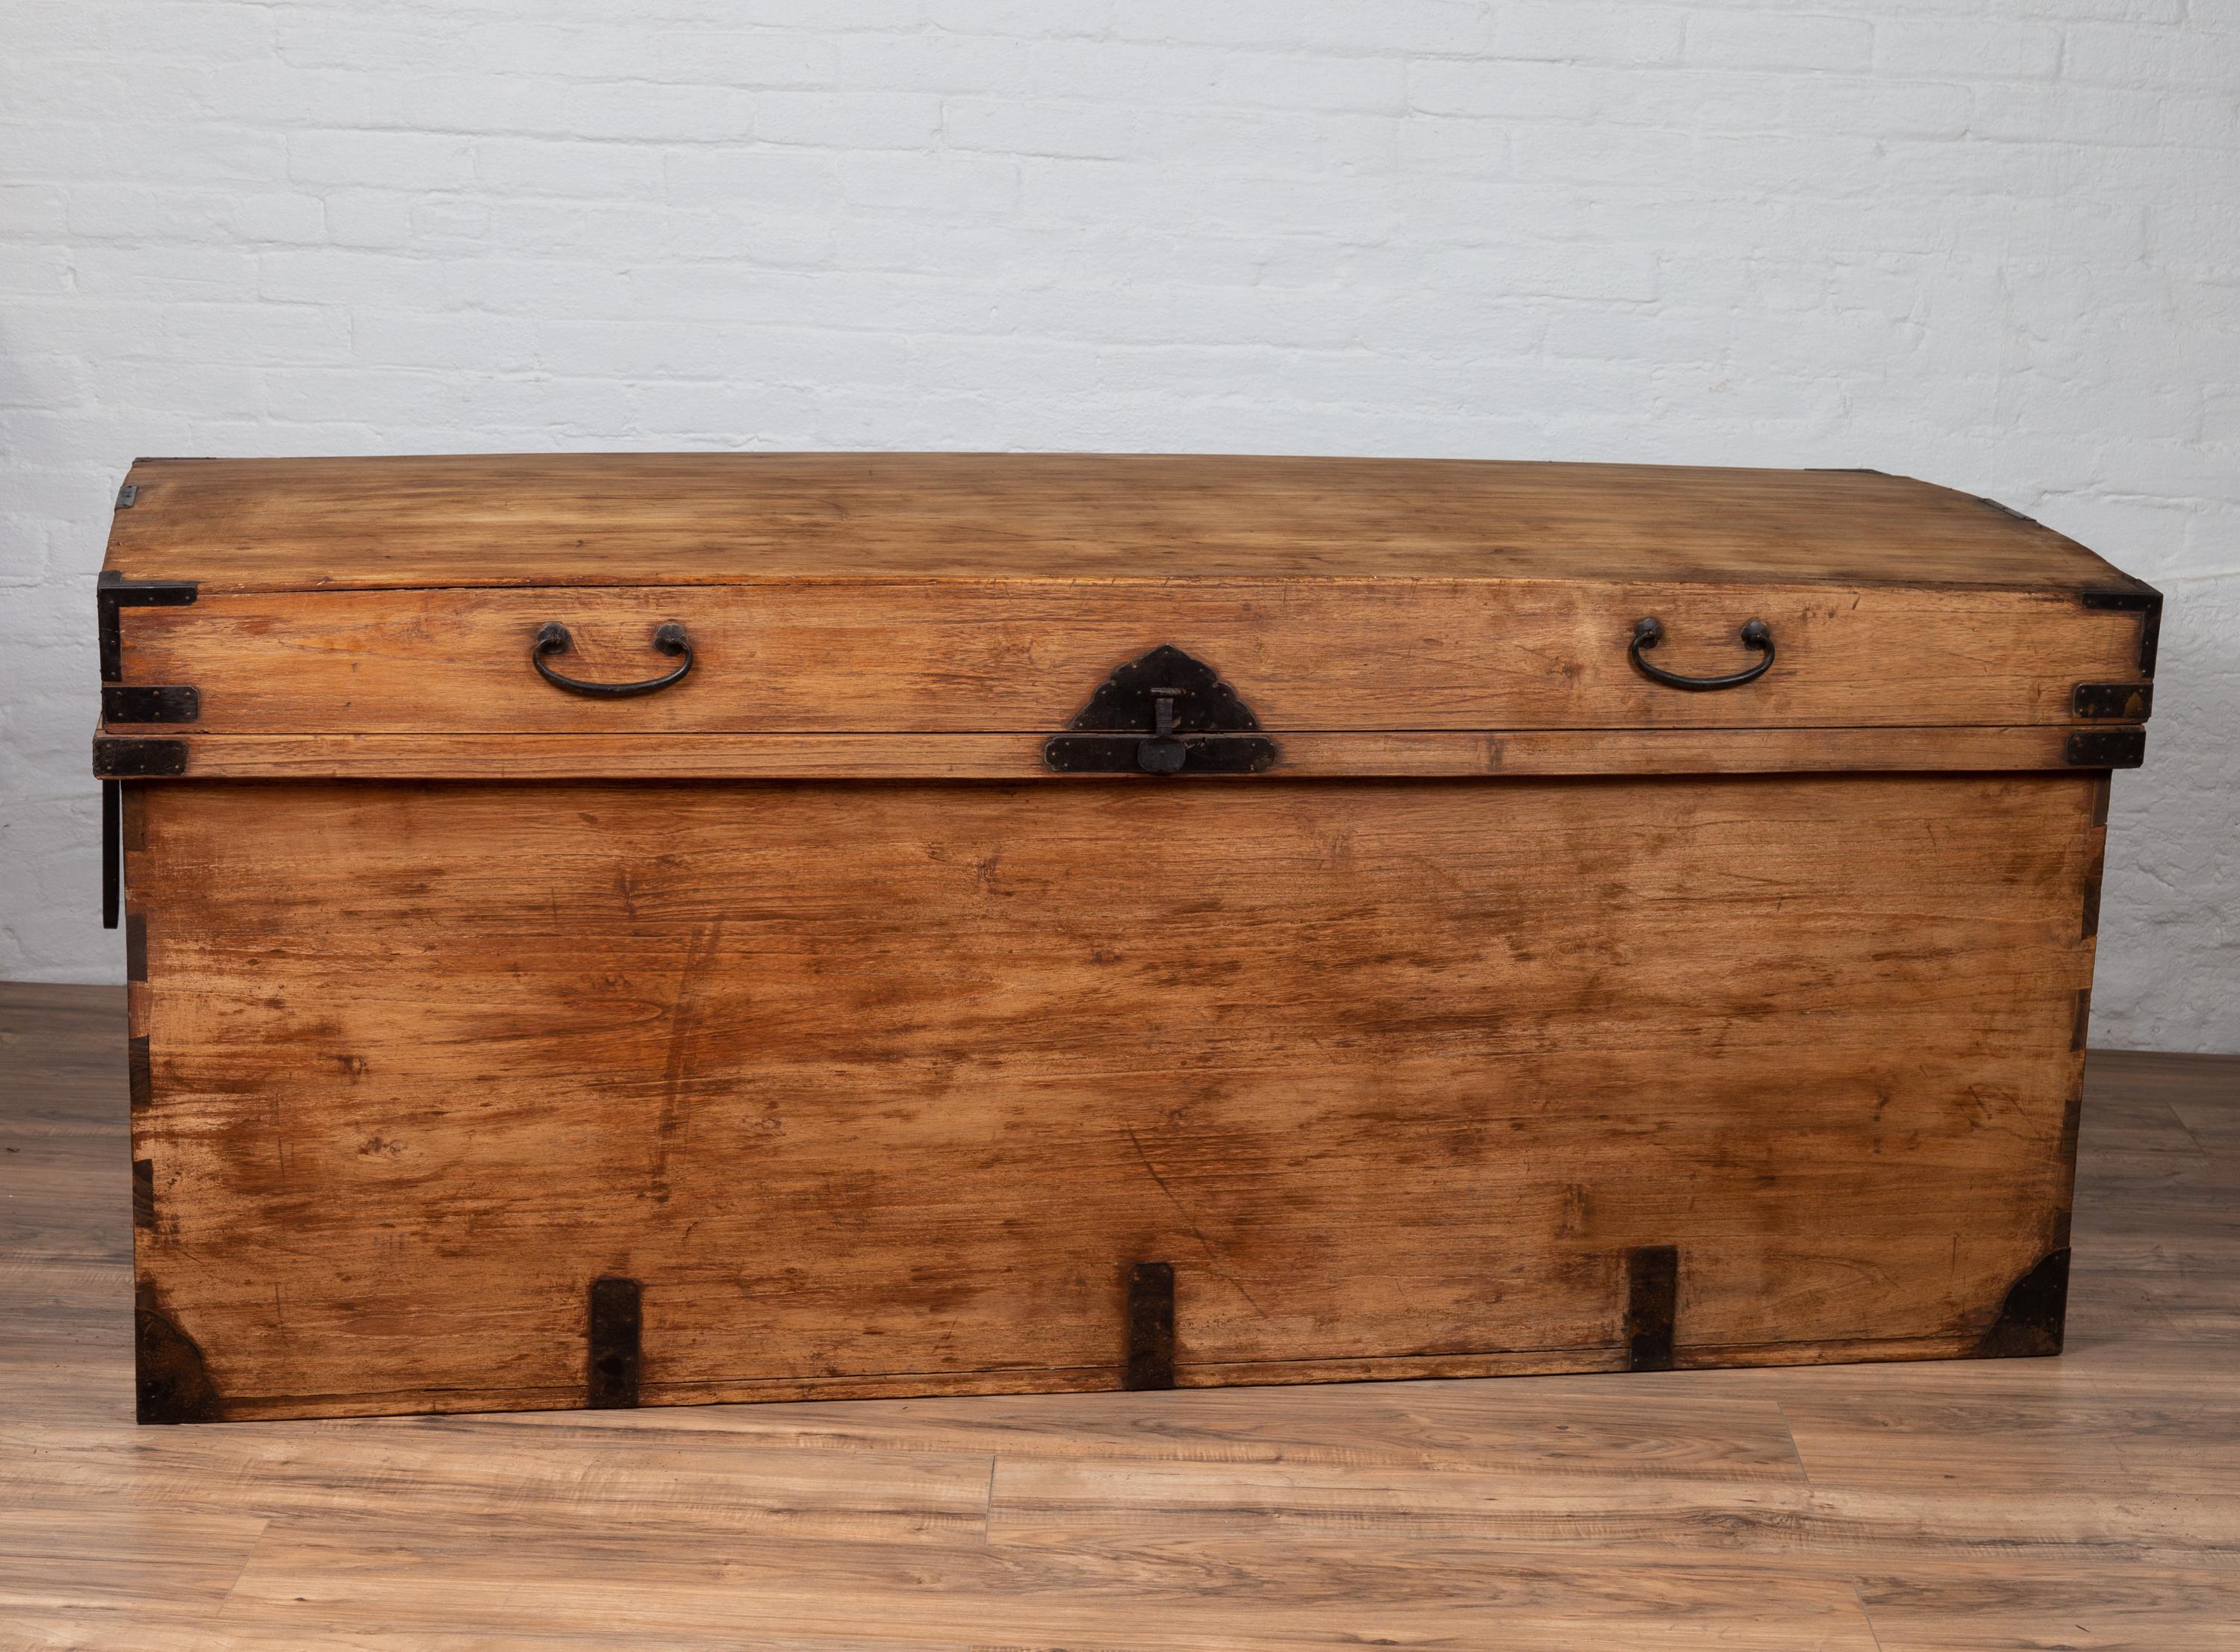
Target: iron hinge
pixel 127 495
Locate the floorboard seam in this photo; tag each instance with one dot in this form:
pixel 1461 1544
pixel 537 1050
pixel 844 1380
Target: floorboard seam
pixel 1789 1433
pixel 1873 1633
pixel 2186 1130
pixel 241 1572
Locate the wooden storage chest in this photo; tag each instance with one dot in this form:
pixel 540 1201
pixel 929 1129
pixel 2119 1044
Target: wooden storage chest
pixel 1071 923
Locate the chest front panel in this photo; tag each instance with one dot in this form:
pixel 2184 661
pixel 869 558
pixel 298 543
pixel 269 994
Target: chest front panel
pixel 884 1088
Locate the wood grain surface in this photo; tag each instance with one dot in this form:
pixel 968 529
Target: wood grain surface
pixel 2092 1500
pixel 879 1089
pixel 701 518
pixel 1019 757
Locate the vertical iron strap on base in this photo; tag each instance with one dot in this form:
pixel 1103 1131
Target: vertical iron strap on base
pixel 139 1073
pixel 611 1365
pixel 1652 1296
pixel 112 853
pixel 1148 1361
pixel 117 759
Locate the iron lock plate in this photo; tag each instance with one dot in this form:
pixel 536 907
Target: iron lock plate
pixel 1166 713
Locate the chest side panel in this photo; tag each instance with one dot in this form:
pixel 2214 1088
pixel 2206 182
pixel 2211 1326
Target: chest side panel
pixel 888 1085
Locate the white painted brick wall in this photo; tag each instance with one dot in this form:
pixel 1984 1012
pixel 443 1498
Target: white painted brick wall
pixel 1991 243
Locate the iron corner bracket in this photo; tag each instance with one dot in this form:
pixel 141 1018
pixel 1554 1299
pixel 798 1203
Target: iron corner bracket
pixel 170 1376
pixel 112 591
pixel 2141 599
pixel 2033 1318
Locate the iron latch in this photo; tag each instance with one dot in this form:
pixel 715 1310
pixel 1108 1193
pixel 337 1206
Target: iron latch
pixel 1165 714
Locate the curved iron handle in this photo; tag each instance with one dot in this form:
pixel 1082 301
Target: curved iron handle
pixel 552 638
pixel 1648 633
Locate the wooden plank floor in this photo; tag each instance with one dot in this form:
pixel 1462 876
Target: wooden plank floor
pixel 2088 1501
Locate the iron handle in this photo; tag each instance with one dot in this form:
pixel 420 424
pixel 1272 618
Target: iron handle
pixel 553 638
pixel 1648 633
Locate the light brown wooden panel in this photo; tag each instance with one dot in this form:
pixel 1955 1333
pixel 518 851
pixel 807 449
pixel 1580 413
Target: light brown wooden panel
pixel 979 657
pixel 882 1085
pixel 625 519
